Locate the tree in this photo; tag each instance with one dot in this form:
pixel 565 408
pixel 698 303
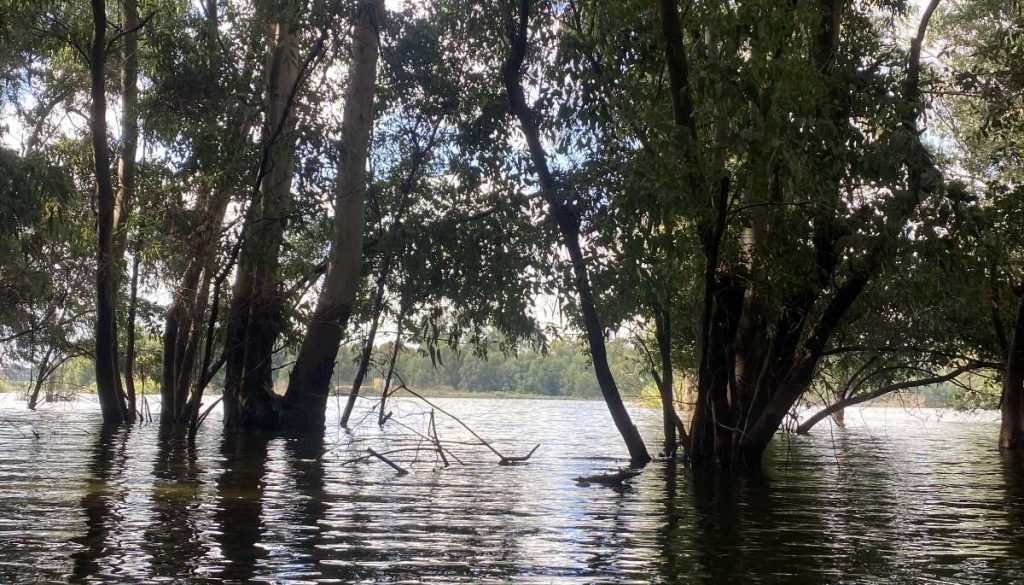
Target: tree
pixel 108 379
pixel 308 386
pixel 256 313
pixel 566 218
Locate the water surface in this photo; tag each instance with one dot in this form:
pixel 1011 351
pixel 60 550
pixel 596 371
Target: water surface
pixel 897 497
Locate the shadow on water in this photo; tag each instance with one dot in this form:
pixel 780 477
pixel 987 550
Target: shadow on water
pixel 240 490
pixel 173 539
pixel 102 504
pixel 1013 475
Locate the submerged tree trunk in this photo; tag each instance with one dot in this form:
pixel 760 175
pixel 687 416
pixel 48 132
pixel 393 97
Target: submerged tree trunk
pixel 670 420
pixel 366 354
pixel 44 368
pixel 309 385
pixel 183 323
pixel 108 382
pixel 129 345
pixel 568 222
pixel 256 312
pixel 126 178
pixel 750 377
pixel 1011 431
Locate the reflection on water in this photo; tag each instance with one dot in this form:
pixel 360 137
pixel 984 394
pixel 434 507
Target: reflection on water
pixel 896 497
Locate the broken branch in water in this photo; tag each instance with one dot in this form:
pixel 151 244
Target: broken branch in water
pixel 502 459
pixel 610 479
pixel 395 466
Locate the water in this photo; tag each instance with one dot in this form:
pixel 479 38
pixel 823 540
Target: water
pixel 897 497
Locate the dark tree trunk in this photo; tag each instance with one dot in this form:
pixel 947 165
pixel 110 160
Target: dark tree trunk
pixel 367 352
pixel 382 416
pixel 129 349
pixel 670 420
pixel 108 383
pixel 44 368
pixel 1011 431
pixel 567 221
pixel 309 385
pixel 256 312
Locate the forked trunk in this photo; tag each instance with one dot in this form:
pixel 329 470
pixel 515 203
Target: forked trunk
pixel 256 312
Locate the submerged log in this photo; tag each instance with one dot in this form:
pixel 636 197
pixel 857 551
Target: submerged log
pixel 610 479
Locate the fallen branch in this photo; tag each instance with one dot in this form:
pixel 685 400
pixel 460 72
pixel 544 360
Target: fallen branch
pixel 515 460
pixel 503 460
pixel 610 479
pixel 395 466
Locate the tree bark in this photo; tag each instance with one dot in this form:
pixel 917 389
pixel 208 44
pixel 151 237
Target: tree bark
pixel 126 168
pixel 129 345
pixel 382 416
pixel 1011 431
pixel 377 307
pixel 666 383
pixel 108 383
pixel 309 385
pixel 568 226
pixel 256 312
pixel 44 366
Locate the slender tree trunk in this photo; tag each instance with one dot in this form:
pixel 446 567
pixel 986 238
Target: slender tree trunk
pixel 309 385
pixel 382 416
pixel 177 331
pixel 44 365
pixel 129 351
pixel 1011 432
pixel 108 383
pixel 568 226
pixel 126 171
pixel 666 383
pixel 129 120
pixel 256 312
pixel 376 310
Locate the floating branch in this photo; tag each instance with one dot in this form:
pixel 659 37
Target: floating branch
pixel 395 466
pixel 610 479
pixel 520 459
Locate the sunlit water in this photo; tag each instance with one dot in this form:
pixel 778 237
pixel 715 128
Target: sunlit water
pixel 912 497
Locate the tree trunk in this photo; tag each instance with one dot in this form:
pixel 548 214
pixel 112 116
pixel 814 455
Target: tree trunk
pixel 129 119
pixel 108 383
pixel 309 384
pixel 256 312
pixel 44 365
pixel 126 179
pixel 129 350
pixel 382 417
pixel 1011 432
pixel 367 352
pixel 666 383
pixel 568 226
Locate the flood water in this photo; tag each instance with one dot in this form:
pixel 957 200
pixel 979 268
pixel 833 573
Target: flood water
pixel 897 497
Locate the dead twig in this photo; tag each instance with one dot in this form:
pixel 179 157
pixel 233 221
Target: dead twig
pixel 395 466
